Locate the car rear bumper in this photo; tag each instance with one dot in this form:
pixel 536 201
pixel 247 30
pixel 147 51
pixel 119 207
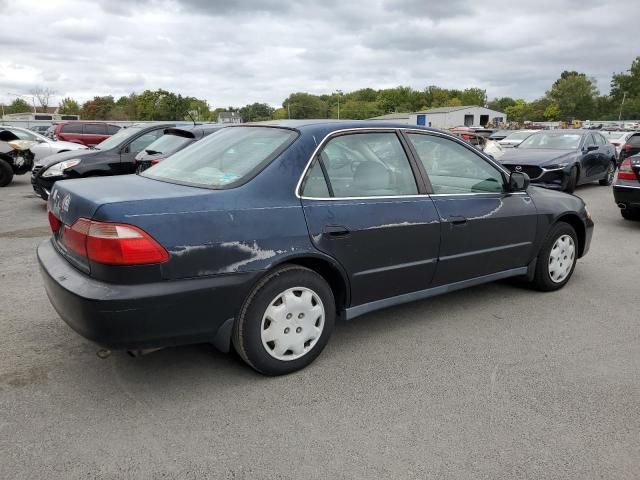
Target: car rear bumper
pixel 627 193
pixel 140 316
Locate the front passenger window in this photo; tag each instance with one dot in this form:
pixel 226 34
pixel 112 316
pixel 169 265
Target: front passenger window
pixel 453 168
pixel 144 141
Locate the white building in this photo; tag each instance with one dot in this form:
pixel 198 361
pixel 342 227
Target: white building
pixel 448 117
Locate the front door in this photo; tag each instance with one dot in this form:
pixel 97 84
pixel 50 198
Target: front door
pixel 485 230
pixel 364 208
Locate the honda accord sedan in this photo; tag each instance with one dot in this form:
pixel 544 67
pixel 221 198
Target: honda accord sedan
pixel 259 237
pixel 563 159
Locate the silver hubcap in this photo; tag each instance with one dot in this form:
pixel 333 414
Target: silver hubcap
pixel 292 324
pixel 561 258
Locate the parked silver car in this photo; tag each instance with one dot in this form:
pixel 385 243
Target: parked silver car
pixel 514 139
pixel 42 146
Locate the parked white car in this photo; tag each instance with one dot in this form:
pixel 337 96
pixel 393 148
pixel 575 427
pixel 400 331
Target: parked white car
pixel 514 139
pixel 617 139
pixel 42 146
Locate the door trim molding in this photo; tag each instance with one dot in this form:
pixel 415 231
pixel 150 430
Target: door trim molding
pixel 353 312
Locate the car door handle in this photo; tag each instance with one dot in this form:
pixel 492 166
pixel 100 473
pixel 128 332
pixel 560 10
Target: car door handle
pixel 457 220
pixel 336 230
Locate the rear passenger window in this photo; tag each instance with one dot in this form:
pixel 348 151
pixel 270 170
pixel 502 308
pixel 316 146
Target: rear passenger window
pixel 365 165
pixel 72 128
pixel 454 169
pixel 95 129
pixel 112 129
pixel 315 184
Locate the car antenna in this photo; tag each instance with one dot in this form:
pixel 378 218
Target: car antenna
pixel 192 119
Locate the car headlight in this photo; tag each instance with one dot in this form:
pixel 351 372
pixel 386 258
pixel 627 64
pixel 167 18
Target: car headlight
pixel 556 166
pixel 21 144
pixel 58 169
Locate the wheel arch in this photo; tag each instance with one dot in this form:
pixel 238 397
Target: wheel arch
pixel 579 227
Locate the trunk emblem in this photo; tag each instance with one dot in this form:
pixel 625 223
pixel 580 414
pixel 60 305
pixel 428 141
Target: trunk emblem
pixel 518 168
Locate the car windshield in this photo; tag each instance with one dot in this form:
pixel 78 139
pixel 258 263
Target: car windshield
pixel 168 144
pixel 222 158
pixel 23 134
pixel 117 138
pixel 517 136
pixel 556 141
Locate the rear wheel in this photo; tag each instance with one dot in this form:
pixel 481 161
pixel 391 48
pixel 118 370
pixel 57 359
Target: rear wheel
pixel 286 321
pixel 557 258
pixel 6 173
pixel 611 172
pixel 630 213
pixel 572 181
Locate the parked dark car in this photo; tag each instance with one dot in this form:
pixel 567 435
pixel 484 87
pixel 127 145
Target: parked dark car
pixel 114 156
pixel 563 159
pixel 262 235
pixel 86 133
pixel 626 189
pixel 499 134
pixel 631 147
pixel 173 140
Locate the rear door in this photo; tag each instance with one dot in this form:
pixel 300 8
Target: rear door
pixel 364 208
pixel 484 229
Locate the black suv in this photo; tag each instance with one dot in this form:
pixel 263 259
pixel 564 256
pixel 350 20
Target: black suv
pixel 631 147
pixel 114 156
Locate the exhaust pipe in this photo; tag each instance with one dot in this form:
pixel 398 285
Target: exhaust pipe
pixel 142 351
pixel 622 206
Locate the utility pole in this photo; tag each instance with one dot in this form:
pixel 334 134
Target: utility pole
pixel 289 109
pixel 339 92
pixel 624 95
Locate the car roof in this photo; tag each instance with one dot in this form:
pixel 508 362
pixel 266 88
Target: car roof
pixel 329 125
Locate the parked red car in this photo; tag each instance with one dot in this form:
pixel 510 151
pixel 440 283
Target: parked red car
pixel 86 133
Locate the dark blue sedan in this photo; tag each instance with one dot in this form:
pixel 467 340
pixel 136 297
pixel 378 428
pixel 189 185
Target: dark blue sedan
pixel 564 159
pixel 260 236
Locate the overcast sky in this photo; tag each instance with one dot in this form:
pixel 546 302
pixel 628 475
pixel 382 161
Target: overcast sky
pixel 234 52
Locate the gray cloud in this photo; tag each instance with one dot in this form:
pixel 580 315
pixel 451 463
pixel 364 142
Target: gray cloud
pixel 242 51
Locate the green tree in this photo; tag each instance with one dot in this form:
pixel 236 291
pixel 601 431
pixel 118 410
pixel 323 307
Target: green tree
pixel 68 106
pixel 453 102
pixel 501 104
pixel 552 112
pixel 256 112
pixel 359 109
pixel 19 105
pixel 98 109
pixel 305 105
pixel 474 96
pixel 575 94
pixel 399 99
pixel 518 112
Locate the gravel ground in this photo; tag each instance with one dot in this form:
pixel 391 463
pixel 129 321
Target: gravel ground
pixel 487 383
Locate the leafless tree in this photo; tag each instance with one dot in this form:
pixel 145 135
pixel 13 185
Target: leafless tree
pixel 43 94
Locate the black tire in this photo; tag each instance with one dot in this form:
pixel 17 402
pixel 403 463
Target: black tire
pixel 542 278
pixel 247 331
pixel 572 181
pixel 609 176
pixel 6 173
pixel 630 213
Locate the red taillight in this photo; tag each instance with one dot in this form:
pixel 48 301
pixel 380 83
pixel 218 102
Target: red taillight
pixel 113 243
pixel 54 223
pixel 626 172
pixel 155 161
pixel 627 146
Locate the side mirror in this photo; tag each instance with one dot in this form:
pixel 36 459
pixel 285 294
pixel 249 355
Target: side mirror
pixel 518 181
pixel 591 148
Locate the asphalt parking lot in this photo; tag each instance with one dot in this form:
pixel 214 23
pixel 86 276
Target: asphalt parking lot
pixel 492 382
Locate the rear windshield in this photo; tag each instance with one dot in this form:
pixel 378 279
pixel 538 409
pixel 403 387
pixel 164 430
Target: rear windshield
pixel 225 157
pixel 518 135
pixel 168 144
pixel 559 141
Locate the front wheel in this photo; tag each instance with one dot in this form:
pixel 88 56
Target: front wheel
pixel 572 181
pixel 286 321
pixel 6 173
pixel 557 258
pixel 608 178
